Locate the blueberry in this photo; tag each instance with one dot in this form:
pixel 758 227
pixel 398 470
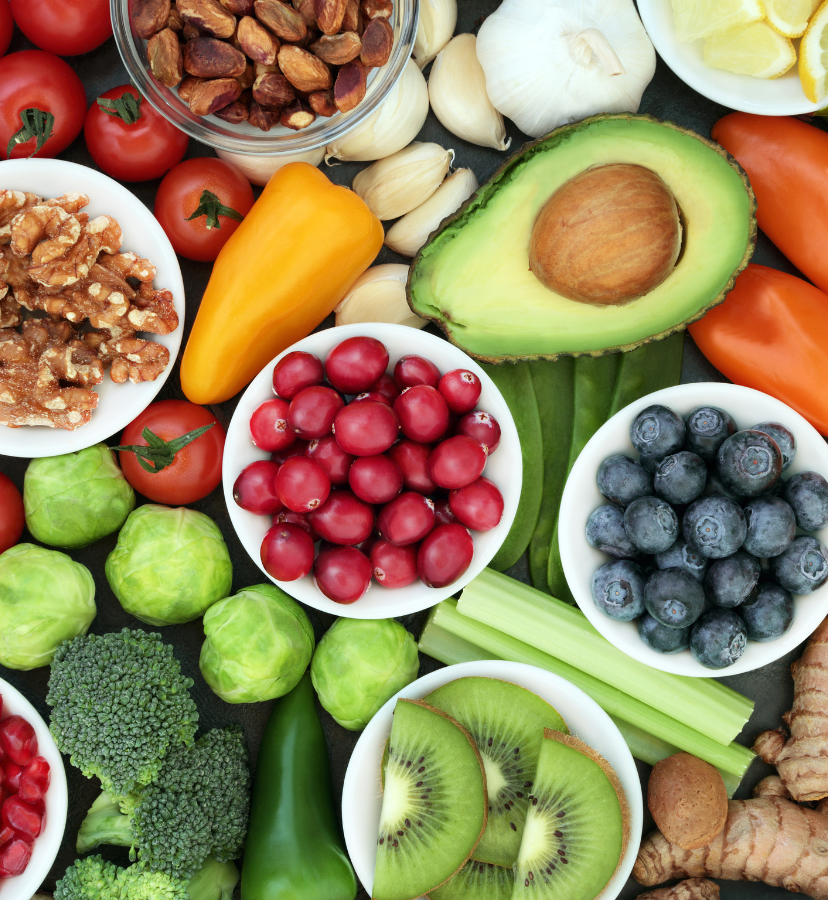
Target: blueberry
pixel 729 581
pixel 674 598
pixel 680 477
pixel 623 480
pixel 657 432
pixel 605 532
pixel 618 590
pixel 784 438
pixel 768 612
pixel 661 638
pixel 651 524
pixel 771 526
pixel 718 639
pixel 682 556
pixel 708 427
pixel 749 463
pixel 714 526
pixel 803 567
pixel 715 488
pixel 807 492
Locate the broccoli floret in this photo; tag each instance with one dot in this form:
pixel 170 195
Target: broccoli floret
pixel 197 806
pixel 119 705
pixel 94 878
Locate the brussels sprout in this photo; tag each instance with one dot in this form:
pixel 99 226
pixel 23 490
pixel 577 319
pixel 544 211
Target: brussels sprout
pixel 75 499
pixel 46 598
pixel 169 566
pixel 259 643
pixel 359 664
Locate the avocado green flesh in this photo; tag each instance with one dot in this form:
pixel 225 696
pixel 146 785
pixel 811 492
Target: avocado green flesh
pixel 473 276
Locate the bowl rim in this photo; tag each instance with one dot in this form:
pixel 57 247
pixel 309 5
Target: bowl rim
pixel 586 718
pixel 581 483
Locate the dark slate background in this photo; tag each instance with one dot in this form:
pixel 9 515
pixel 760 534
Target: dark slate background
pixel 771 687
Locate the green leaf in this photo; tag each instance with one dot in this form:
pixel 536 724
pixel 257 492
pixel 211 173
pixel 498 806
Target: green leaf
pixel 36 124
pixel 158 453
pixel 209 205
pixel 126 107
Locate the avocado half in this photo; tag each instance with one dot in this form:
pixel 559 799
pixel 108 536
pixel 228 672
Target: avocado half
pixel 473 276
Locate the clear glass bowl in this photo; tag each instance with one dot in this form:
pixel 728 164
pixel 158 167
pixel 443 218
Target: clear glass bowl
pixel 244 138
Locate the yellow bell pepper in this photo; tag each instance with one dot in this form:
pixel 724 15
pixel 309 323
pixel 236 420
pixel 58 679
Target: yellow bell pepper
pixel 292 259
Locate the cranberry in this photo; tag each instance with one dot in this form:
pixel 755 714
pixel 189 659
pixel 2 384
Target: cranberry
pixel 478 505
pixel 394 567
pixel 287 552
pixel 289 517
pixel 442 513
pixel 18 740
pixel 423 413
pixel 255 488
pixel 413 370
pixel 343 519
pixel 372 395
pixel 407 519
pixel 445 555
pixel 298 448
pixel 387 387
pixel 366 428
pixel 375 479
pixel 269 426
pixel 356 364
pixel 34 781
pixel 313 410
pixel 11 779
pixel 456 462
pixel 461 390
pixel 412 459
pixel 302 484
pixel 367 545
pixel 27 818
pixel 482 427
pixel 343 574
pixel 296 371
pixel 14 857
pixel 333 459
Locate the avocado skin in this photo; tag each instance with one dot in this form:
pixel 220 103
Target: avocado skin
pixel 501 178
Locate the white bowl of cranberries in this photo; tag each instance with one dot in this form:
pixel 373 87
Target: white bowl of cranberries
pixel 372 470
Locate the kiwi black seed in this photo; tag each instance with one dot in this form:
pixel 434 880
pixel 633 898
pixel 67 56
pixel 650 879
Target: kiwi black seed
pixel 477 881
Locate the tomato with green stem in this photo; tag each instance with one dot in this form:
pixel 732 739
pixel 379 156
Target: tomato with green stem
pixel 64 27
pixel 128 139
pixel 6 26
pixel 12 516
pixel 200 203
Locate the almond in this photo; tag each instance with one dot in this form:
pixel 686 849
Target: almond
pixel 305 10
pixel 239 7
pixel 149 17
pixel 281 19
pixel 337 49
pixel 211 58
pixel 273 91
pixel 262 118
pixel 329 14
pixel 322 103
pixel 187 86
pixel 377 43
pixel 209 16
pixel 350 22
pixel 165 59
pixel 214 94
pixel 351 83
pixel 257 42
pixel 303 70
pixel 297 116
pixel 376 9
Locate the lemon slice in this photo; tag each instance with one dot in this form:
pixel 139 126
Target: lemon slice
pixel 789 17
pixel 700 18
pixel 813 56
pixel 754 49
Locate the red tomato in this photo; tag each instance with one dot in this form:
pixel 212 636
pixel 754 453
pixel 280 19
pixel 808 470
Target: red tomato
pixel 6 26
pixel 64 27
pixel 196 469
pixel 34 80
pixel 133 142
pixel 182 193
pixel 12 517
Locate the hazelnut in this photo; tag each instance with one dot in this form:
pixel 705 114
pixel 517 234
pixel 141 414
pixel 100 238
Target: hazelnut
pixel 165 59
pixel 376 9
pixel 377 43
pixel 214 94
pixel 211 58
pixel 149 17
pixel 329 14
pixel 322 103
pixel 273 91
pixel 281 19
pixel 351 83
pixel 297 116
pixel 257 42
pixel 337 49
pixel 303 70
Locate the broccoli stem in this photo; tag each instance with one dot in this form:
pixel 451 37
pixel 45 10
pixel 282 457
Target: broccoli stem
pixel 213 881
pixel 104 824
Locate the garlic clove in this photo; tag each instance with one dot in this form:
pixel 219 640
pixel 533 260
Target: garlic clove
pixel 399 183
pixel 378 295
pixel 392 126
pixel 438 19
pixel 457 91
pixel 409 234
pixel 258 169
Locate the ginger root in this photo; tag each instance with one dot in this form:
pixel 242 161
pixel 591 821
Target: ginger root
pixel 771 786
pixel 690 889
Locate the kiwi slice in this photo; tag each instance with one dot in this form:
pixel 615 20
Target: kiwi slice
pixel 433 803
pixel 576 827
pixel 477 881
pixel 506 722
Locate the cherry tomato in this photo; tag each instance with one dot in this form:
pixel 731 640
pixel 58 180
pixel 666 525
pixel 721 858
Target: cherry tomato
pixel 128 139
pixel 196 469
pixel 187 206
pixel 12 517
pixel 6 26
pixel 64 27
pixel 34 86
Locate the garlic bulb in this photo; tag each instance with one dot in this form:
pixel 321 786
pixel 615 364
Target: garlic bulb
pixel 258 169
pixel 412 231
pixel 392 126
pixel 378 295
pixel 457 91
pixel 548 62
pixel 438 19
pixel 399 183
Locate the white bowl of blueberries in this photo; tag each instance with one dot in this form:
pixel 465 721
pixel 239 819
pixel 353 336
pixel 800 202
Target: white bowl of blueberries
pixel 696 522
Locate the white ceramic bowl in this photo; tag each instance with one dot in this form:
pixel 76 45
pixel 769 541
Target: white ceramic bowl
pixel 581 497
pixel 46 846
pixel 766 97
pixel 504 468
pixel 119 404
pixel 362 793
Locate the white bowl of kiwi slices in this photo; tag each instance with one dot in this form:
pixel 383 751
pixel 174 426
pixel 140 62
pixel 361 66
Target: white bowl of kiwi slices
pixel 492 780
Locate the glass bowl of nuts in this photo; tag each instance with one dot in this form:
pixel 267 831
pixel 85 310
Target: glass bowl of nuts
pixel 265 77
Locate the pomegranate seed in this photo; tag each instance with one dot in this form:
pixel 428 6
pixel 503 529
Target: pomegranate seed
pixel 287 552
pixel 6 834
pixel 478 505
pixel 313 410
pixel 445 555
pixel 412 460
pixel 255 488
pixel 460 389
pixel 11 780
pixel 295 372
pixel 298 448
pixel 456 462
pixel 442 513
pixel 14 857
pixel 375 479
pixel 413 370
pixel 269 427
pixel 34 781
pixel 407 519
pixel 18 739
pixel 372 395
pixel 343 519
pixel 302 484
pixel 22 816
pixel 343 574
pixel 289 517
pixel 356 364
pixel 482 427
pixel 394 567
pixel 333 459
pixel 387 387
pixel 366 428
pixel 423 413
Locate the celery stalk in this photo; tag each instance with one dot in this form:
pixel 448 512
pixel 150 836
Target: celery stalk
pixel 564 632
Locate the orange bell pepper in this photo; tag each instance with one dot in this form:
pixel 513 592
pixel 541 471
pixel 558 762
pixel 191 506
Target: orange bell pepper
pixel 786 161
pixel 771 334
pixel 292 259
